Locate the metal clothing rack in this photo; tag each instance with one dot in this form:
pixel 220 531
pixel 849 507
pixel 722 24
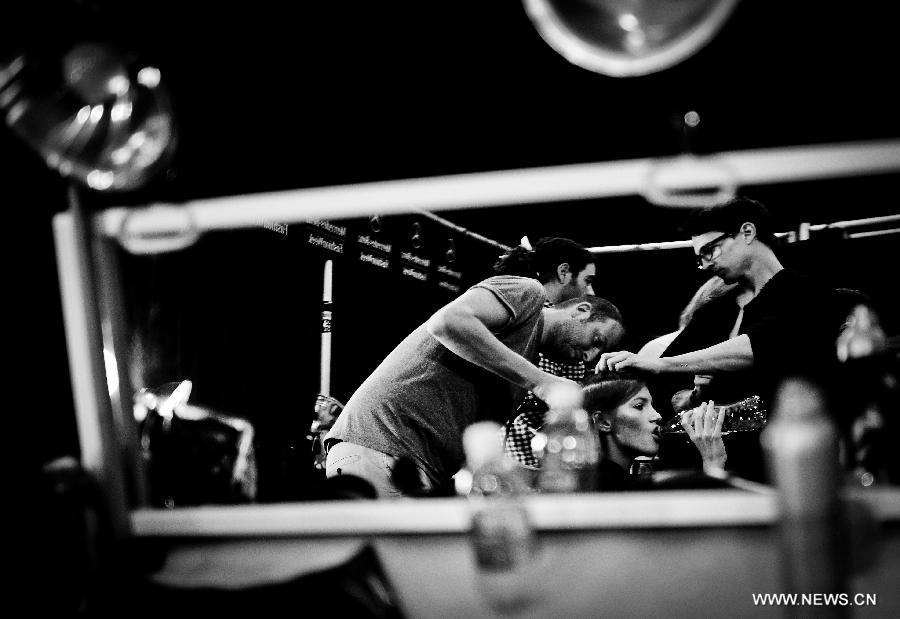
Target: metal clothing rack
pixel 801 235
pixel 464 231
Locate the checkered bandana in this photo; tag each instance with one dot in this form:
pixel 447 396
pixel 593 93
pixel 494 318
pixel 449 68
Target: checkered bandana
pixel 530 415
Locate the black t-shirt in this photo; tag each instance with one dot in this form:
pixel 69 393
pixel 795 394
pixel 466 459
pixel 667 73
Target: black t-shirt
pixel 790 326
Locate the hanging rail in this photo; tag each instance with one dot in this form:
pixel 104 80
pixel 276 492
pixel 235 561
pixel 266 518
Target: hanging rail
pixel 620 249
pixel 464 231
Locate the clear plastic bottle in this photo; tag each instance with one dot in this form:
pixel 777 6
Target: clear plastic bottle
pixel 502 537
pixel 742 416
pixel 567 444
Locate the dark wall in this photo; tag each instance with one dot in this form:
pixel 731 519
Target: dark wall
pixel 34 336
pixel 239 315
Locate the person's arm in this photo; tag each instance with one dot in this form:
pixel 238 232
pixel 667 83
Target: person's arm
pixel 657 346
pixel 464 326
pixel 728 356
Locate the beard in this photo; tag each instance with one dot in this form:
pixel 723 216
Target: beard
pixel 559 347
pixel 727 277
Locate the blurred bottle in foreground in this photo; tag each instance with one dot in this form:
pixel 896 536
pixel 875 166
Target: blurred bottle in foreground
pixel 868 406
pixel 502 537
pixel 861 335
pixel 567 444
pixel 801 448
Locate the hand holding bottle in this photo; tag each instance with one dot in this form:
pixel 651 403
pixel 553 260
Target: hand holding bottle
pixel 704 427
pixel 745 415
pixel 684 400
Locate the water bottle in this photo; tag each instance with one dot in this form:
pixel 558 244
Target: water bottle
pixel 642 468
pixel 870 376
pixel 743 416
pixel 801 449
pixel 567 445
pixel 503 539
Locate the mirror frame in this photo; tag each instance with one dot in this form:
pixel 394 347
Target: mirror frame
pixel 91 296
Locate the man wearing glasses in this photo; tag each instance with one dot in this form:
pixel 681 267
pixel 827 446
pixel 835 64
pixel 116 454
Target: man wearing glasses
pixel 773 326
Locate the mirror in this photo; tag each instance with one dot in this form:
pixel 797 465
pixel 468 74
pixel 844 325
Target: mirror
pixel 238 313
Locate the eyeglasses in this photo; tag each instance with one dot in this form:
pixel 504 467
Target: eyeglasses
pixel 710 251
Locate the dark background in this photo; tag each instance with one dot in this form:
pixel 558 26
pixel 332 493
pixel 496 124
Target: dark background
pixel 272 96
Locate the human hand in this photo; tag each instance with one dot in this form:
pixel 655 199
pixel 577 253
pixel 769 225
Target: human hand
pixel 701 389
pixel 702 380
pixel 704 427
pixel 327 409
pixel 621 360
pixel 683 400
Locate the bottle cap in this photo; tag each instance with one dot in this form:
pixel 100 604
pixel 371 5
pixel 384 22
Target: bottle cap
pixel 564 396
pixel 482 442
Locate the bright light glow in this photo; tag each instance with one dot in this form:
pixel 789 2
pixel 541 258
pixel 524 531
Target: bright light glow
pixel 120 111
pixel 137 140
pixel 635 40
pixel 96 113
pixel 628 21
pixel 99 179
pixel 121 155
pixel 83 114
pixel 149 77
pixel 112 373
pixel 15 112
pixel 692 119
pixel 463 481
pixel 118 85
